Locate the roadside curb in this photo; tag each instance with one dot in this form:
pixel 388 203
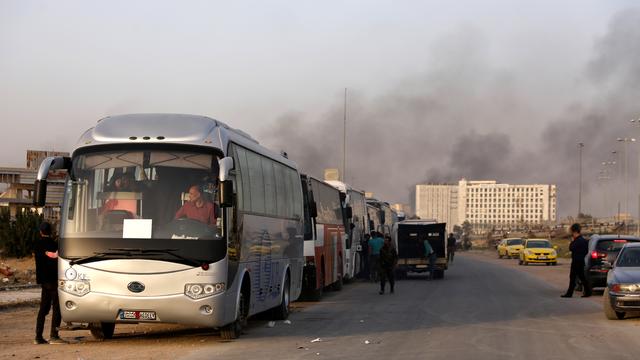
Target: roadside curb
pixel 19 304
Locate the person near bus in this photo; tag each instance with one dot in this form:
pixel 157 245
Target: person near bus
pixel 451 248
pixel 430 255
pixel 387 263
pixel 197 208
pixel 364 257
pixel 46 256
pixel 375 244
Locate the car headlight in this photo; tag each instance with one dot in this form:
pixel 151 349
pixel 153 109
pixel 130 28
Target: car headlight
pixel 625 288
pixel 199 291
pixel 74 287
pixel 553 253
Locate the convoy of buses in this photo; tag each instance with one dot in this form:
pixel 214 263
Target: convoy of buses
pixel 134 247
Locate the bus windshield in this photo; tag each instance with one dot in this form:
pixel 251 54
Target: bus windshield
pixel 140 199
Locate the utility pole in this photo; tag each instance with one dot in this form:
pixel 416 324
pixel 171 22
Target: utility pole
pixel 580 146
pixel 344 140
pixel 626 179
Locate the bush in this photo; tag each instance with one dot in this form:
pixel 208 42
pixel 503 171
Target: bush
pixel 18 237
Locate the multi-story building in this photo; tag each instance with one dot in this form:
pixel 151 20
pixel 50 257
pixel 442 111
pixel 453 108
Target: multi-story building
pixel 438 202
pixel 488 203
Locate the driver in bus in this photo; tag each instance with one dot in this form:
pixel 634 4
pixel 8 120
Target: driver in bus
pixel 198 208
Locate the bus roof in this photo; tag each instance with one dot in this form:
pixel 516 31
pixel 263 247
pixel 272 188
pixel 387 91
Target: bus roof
pixel 171 129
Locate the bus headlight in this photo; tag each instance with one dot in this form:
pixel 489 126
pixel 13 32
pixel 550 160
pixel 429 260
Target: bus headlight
pixel 78 288
pixel 199 291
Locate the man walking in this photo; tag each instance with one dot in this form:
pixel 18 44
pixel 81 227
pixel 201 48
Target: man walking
pixel 46 255
pixel 579 249
pixel 387 264
pixel 451 248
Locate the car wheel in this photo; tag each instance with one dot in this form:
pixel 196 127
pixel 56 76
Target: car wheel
pixel 525 263
pixel 555 263
pixel 102 330
pixel 609 311
pixel 519 262
pixel 499 255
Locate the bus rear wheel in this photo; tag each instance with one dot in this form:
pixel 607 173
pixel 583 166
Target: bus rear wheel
pixel 281 312
pixel 234 330
pixel 102 330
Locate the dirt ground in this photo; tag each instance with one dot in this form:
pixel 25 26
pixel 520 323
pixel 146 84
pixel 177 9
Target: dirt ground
pixel 24 271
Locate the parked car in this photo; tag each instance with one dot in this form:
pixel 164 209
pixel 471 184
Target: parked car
pixel 603 251
pixel 538 251
pixel 622 293
pixel 510 247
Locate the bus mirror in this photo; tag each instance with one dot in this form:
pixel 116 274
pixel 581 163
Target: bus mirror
pixel 226 194
pixel 226 164
pixel 48 164
pixel 40 195
pixel 349 212
pixel 313 209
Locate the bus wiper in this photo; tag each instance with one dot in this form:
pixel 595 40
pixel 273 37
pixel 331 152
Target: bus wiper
pixel 171 252
pixel 98 256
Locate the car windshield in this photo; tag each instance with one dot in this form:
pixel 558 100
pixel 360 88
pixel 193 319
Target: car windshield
pixel 150 199
pixel 538 244
pixel 612 245
pixel 629 257
pixel 514 242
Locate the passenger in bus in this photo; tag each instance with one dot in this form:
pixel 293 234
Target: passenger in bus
pixel 198 208
pixel 123 182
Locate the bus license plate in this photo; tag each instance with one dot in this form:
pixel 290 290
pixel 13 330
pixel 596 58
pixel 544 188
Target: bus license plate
pixel 137 315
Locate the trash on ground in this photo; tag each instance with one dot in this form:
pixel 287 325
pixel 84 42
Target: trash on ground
pixel 367 342
pixel 271 324
pixel 316 340
pixel 288 322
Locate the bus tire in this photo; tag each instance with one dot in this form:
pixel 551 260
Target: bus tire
pixel 102 330
pixel 234 330
pixel 281 312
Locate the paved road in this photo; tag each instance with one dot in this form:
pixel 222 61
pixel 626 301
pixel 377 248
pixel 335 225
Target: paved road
pixel 482 310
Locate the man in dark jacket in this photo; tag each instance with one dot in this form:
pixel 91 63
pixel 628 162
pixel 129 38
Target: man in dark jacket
pixel 46 255
pixel 451 248
pixel 579 249
pixel 387 263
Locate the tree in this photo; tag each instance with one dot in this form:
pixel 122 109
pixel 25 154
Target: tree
pixel 18 237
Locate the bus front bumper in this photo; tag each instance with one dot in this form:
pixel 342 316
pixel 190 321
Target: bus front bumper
pixel 178 308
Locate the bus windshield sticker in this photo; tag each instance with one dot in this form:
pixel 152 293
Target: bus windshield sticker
pixel 136 229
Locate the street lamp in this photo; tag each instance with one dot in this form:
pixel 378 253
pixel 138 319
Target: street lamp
pixel 636 122
pixel 626 142
pixel 580 146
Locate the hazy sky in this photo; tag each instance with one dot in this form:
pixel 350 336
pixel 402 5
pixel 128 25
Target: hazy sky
pixel 66 64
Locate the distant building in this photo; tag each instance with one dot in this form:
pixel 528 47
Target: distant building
pixel 439 202
pixel 488 204
pixel 17 186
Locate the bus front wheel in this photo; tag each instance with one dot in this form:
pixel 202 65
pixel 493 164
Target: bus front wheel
pixel 102 330
pixel 234 330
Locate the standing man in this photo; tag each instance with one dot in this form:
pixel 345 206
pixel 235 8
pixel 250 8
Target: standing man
pixel 387 264
pixel 46 255
pixel 579 249
pixel 364 256
pixel 451 248
pixel 375 244
pixel 430 255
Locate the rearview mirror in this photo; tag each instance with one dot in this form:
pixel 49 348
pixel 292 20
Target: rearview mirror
pixel 226 193
pixel 226 164
pixel 48 164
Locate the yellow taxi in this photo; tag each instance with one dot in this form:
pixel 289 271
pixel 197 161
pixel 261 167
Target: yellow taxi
pixel 510 247
pixel 538 251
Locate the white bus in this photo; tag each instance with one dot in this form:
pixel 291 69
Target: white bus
pixel 176 219
pixel 354 217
